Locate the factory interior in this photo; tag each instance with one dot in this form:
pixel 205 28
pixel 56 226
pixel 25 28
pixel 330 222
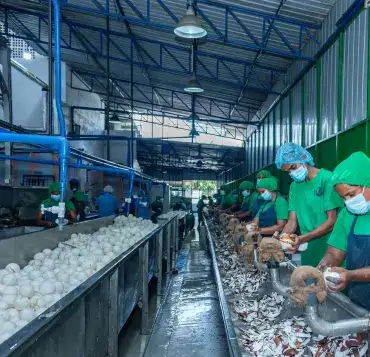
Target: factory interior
pixel 184 178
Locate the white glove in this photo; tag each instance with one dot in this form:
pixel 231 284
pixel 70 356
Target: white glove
pixel 128 200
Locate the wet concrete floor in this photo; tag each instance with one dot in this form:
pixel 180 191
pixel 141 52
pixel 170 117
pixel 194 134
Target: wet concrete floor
pixel 189 322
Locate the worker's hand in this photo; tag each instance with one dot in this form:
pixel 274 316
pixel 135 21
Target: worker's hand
pixel 344 279
pixel 50 224
pixel 295 245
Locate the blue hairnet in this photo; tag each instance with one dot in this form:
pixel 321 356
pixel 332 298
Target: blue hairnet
pixel 291 153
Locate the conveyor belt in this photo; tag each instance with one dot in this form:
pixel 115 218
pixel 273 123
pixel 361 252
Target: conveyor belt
pixel 190 321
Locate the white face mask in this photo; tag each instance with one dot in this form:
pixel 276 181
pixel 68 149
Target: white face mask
pixel 358 204
pixel 206 202
pixel 300 174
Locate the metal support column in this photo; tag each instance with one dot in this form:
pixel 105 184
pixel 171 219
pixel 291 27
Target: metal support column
pixel 131 144
pixel 159 262
pixel 113 316
pixel 6 98
pixel 143 258
pixel 107 104
pixel 168 253
pixel 51 70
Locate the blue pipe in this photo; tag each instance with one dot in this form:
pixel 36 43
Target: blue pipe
pixel 56 163
pixel 118 137
pixel 55 142
pixel 132 177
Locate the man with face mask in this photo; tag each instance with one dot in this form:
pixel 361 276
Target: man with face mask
pixel 79 199
pixel 350 239
pixel 48 219
pixel 313 202
pixel 273 214
pixel 249 197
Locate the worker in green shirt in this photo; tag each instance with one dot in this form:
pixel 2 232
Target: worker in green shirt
pixel 232 201
pixel 226 198
pixel 350 239
pixel 258 201
pixel 313 202
pixel 210 201
pixel 79 199
pixel 273 214
pixel 48 219
pixel 249 197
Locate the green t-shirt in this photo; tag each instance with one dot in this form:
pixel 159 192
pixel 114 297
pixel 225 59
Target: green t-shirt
pixel 248 202
pixel 281 207
pixel 80 196
pixel 228 200
pixel 339 236
pixel 49 202
pixel 310 200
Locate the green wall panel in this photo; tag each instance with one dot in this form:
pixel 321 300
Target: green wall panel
pixel 352 140
pixel 326 154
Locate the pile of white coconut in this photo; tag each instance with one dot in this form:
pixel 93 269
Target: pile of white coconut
pixel 26 293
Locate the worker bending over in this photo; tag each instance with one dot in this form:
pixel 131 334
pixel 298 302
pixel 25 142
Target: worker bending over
pixel 228 199
pixel 350 239
pixel 313 202
pixel 249 197
pixel 273 213
pixel 203 202
pixel 107 204
pixel 142 206
pixel 49 219
pixel 79 199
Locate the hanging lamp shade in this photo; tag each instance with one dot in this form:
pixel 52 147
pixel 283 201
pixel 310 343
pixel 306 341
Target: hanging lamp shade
pixel 193 85
pixel 190 26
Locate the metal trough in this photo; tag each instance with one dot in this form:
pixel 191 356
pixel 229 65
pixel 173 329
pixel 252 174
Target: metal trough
pixel 86 322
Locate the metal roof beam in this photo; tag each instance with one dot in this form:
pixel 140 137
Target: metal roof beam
pixel 222 34
pixel 219 105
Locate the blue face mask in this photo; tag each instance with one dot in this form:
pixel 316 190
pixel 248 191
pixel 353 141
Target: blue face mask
pixel 358 204
pixel 266 196
pixel 246 193
pixel 55 197
pixel 300 174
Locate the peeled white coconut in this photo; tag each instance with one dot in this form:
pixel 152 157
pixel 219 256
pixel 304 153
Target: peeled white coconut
pixel 13 313
pixel 3 272
pixel 5 315
pixel 26 290
pixel 39 256
pixel 27 314
pixel 13 268
pixel 38 263
pixel 34 274
pixel 21 303
pixel 44 269
pixel 3 306
pixel 63 277
pixel 49 263
pixel 28 268
pixel 47 287
pixel 328 273
pixel 47 252
pixel 9 279
pixel 10 290
pixel 9 327
pixel 58 287
pixel 9 300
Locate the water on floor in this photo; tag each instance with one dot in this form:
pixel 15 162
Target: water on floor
pixel 189 322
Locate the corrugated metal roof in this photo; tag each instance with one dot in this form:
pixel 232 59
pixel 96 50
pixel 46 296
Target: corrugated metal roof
pixel 222 65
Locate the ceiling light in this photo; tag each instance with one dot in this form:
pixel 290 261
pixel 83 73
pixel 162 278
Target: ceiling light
pixel 193 85
pixel 190 26
pixel 27 55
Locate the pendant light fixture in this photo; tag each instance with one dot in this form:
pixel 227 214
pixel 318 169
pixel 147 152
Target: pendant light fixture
pixel 190 25
pixel 193 85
